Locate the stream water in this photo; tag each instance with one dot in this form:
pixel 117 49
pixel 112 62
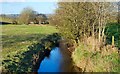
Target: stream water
pixel 58 61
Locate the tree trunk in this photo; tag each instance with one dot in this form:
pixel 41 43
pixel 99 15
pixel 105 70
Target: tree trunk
pixel 93 35
pixel 118 12
pixel 99 36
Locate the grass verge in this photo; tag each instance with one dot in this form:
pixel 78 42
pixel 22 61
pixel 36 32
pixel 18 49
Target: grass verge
pixel 106 60
pixel 15 41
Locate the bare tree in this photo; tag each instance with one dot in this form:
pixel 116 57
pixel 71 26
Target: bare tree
pixel 27 15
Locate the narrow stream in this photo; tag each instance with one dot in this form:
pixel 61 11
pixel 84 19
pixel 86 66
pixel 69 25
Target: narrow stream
pixel 58 61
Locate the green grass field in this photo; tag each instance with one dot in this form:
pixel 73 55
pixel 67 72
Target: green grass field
pixel 5 19
pixel 17 38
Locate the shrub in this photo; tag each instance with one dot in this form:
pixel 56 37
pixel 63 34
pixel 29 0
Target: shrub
pixel 113 29
pixel 105 60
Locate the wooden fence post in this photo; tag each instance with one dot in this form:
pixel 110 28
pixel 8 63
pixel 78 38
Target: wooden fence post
pixel 112 40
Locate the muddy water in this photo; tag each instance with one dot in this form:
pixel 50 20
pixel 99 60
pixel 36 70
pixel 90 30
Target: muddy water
pixel 58 61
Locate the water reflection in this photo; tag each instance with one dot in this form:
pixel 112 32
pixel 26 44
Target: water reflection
pixel 51 63
pixel 58 61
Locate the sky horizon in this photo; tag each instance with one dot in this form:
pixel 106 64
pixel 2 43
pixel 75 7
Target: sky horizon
pixel 17 7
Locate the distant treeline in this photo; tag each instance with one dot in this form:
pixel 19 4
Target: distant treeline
pixel 27 16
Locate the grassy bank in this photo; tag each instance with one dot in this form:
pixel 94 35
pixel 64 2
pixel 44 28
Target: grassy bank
pixel 104 60
pixel 16 39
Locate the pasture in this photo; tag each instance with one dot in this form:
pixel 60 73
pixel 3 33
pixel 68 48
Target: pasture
pixel 17 38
